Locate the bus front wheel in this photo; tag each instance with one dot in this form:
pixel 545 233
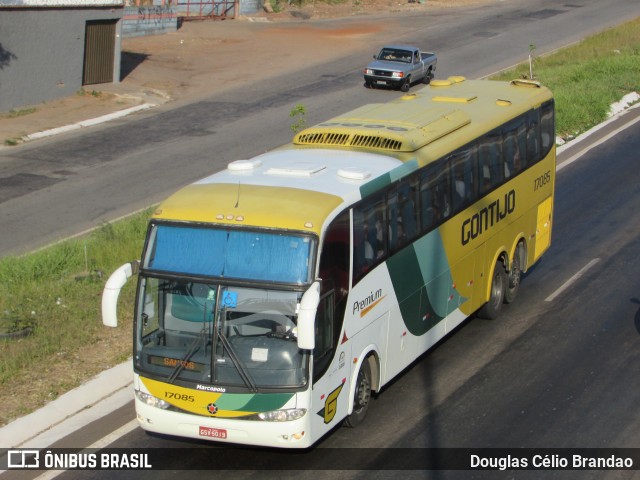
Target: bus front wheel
pixel 362 396
pixel 499 284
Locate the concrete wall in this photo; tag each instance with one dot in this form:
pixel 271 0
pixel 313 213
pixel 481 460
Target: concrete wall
pixel 159 19
pixel 247 7
pixel 42 52
pixel 155 20
pixel 217 8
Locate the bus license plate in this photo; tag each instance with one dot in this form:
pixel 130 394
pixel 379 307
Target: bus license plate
pixel 213 432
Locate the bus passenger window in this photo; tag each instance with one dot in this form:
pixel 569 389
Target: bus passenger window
pixel 370 234
pixel 514 148
pixel 381 229
pixel 463 187
pixel 362 256
pixel 490 159
pixel 407 192
pixel 429 213
pixel 547 127
pixel 403 225
pixel 533 138
pixel 395 219
pixel 434 196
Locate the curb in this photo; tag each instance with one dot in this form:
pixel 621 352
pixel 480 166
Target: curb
pixel 73 409
pixel 88 123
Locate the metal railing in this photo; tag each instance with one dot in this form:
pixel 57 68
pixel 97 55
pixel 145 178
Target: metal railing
pixel 197 9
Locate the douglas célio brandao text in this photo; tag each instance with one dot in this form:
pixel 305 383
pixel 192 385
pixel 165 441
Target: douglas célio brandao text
pixel 555 461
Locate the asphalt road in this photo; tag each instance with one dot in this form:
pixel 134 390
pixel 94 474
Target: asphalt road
pixel 68 184
pixel 558 369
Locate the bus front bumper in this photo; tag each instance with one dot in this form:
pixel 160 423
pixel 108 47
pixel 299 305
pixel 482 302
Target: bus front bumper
pixel 289 434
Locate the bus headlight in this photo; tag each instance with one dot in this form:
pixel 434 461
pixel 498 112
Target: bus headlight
pixel 282 415
pixel 151 400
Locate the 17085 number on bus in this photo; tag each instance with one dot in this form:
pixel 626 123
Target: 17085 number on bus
pixel 542 180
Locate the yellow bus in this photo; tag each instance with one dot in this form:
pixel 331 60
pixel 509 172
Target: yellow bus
pixel 275 296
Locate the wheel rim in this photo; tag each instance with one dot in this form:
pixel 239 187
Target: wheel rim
pixel 497 289
pixel 363 392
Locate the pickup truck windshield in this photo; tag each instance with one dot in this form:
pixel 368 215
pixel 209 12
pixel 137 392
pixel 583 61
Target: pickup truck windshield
pixel 395 55
pixel 213 334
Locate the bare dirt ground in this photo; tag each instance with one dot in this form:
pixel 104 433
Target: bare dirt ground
pixel 200 59
pixel 205 57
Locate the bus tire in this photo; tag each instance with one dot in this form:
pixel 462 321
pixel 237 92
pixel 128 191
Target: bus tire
pixel 362 396
pixel 492 308
pixel 515 275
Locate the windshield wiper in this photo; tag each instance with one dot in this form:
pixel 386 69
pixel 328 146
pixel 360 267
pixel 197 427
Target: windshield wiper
pixel 242 370
pixel 193 348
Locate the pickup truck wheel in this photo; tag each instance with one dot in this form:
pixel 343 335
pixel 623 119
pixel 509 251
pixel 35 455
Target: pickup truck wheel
pixel 406 85
pixel 427 78
pixel 368 84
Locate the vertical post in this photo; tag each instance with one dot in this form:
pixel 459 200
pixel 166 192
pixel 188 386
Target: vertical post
pixel 236 9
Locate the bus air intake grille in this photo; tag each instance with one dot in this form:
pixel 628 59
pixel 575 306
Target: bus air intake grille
pixel 324 139
pixel 374 141
pixel 349 140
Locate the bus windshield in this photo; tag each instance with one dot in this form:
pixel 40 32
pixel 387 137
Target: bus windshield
pixel 254 255
pixel 214 334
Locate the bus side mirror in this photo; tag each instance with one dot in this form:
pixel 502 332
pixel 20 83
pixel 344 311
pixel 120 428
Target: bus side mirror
pixel 111 292
pixel 307 317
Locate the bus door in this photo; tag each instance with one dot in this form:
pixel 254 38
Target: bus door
pixel 543 228
pixel 329 394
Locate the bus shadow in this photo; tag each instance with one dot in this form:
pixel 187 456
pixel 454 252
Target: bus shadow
pixel 637 317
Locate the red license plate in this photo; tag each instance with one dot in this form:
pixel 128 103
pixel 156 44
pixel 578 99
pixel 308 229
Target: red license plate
pixel 213 432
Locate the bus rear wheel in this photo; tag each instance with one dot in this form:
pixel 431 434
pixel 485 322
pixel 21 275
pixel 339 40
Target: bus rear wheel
pixel 493 307
pixel 515 275
pixel 362 396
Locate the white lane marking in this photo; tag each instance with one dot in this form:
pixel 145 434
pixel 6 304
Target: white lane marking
pixel 572 280
pixel 575 157
pixel 102 443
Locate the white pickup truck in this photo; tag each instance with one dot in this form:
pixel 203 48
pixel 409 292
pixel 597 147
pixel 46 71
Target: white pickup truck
pixel 399 66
